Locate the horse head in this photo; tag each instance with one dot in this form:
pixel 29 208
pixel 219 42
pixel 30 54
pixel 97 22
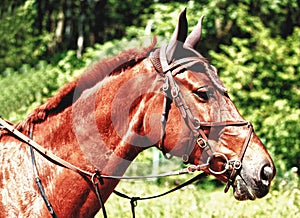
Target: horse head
pixel 199 121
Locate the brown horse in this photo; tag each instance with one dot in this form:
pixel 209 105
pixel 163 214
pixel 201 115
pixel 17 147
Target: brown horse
pixel 168 97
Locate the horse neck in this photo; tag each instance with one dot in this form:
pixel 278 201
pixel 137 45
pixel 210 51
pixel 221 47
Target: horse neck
pixel 90 134
pixel 61 134
pixel 70 193
pixel 108 118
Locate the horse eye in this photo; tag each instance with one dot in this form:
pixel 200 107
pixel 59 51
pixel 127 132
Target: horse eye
pixel 204 93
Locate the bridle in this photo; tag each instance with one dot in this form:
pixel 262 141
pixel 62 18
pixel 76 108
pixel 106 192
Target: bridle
pixel 172 93
pixel 198 137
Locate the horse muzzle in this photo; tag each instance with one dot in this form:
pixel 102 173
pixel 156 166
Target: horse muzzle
pixel 247 188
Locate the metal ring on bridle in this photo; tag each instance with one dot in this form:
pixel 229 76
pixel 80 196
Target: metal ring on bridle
pixel 196 123
pixel 237 165
pixel 93 179
pixel 217 154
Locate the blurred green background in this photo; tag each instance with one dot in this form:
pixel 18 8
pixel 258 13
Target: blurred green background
pixel 255 44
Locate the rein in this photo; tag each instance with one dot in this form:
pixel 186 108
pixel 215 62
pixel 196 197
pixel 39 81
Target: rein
pixel 133 200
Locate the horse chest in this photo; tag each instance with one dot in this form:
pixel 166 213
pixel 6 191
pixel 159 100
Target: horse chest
pixel 18 197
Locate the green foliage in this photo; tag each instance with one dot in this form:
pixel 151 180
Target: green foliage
pixel 20 42
pixel 123 15
pixel 220 25
pixel 25 89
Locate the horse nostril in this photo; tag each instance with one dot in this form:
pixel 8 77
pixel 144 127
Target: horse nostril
pixel 266 175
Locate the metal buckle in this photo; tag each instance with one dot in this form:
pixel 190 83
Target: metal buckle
pixel 191 168
pixel 174 91
pixel 165 86
pixel 185 158
pixel 201 142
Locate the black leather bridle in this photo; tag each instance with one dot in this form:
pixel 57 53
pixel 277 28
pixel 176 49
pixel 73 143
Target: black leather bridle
pixel 198 137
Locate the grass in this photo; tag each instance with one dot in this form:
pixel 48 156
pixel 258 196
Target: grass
pixel 192 201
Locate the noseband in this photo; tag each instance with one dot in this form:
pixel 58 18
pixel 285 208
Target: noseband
pixel 197 136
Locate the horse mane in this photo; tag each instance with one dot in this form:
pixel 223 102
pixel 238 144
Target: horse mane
pixel 65 96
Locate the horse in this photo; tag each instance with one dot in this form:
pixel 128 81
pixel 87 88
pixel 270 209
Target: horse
pixel 169 97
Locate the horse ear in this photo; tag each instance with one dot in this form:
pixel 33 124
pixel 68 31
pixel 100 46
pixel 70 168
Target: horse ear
pixel 180 31
pixel 179 34
pixel 195 35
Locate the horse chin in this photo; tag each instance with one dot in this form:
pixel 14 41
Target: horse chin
pixel 241 191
